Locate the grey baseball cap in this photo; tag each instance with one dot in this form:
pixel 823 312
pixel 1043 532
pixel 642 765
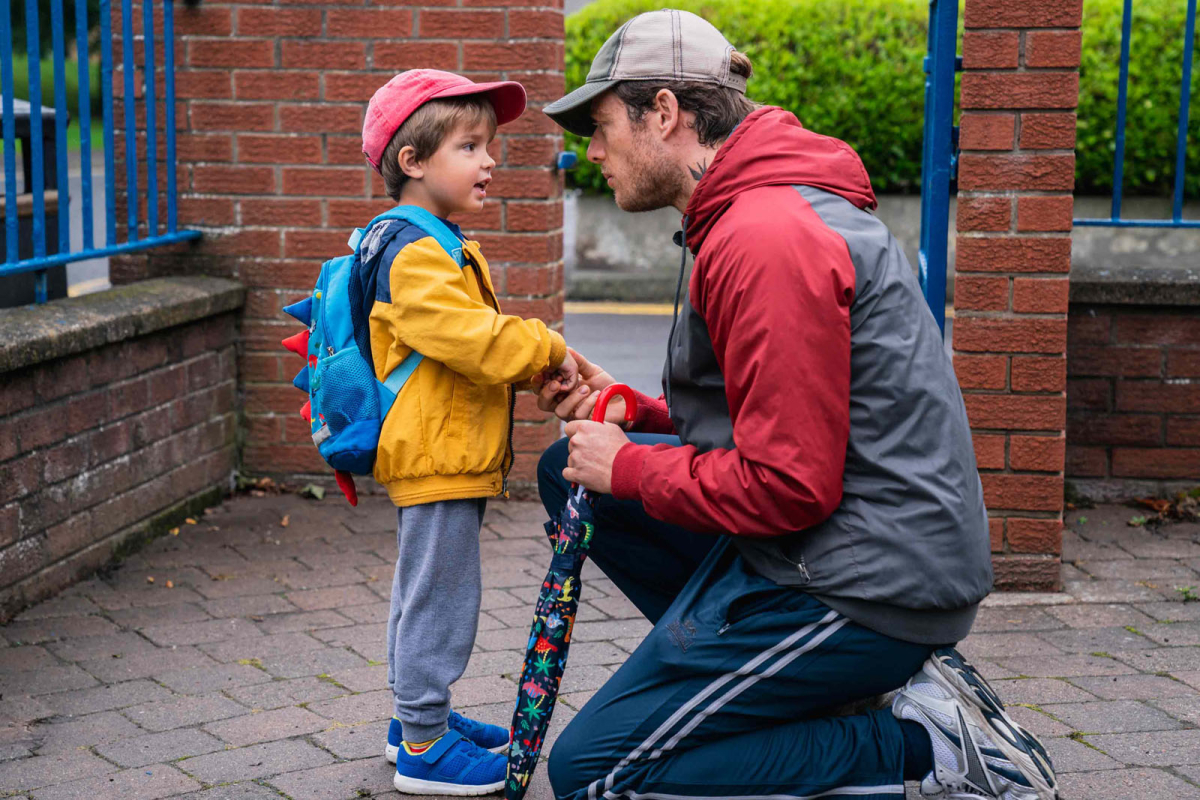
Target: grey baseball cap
pixel 666 45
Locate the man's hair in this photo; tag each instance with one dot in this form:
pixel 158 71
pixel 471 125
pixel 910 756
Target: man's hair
pixel 718 109
pixel 426 129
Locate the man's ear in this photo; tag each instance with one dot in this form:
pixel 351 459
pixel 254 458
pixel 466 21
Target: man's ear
pixel 665 115
pixel 407 159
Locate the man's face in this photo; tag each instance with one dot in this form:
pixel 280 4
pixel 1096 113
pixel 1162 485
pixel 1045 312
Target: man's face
pixel 636 164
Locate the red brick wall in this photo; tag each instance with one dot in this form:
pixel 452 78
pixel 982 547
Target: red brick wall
pixel 1133 398
pixel 94 445
pixel 1019 89
pixel 270 106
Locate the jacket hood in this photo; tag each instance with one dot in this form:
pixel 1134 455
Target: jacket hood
pixel 771 148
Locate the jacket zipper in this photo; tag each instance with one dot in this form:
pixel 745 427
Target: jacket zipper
pixel 512 458
pixel 512 396
pixel 803 570
pixel 682 242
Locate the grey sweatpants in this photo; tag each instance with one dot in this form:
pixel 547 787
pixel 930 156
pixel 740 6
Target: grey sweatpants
pixel 436 593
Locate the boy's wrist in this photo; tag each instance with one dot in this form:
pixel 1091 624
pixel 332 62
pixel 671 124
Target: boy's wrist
pixel 558 350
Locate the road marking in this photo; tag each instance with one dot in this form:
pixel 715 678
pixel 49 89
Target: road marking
pixel 631 309
pixel 87 287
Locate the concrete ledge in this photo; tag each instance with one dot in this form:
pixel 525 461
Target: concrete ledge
pixel 34 334
pixel 629 287
pixel 1134 285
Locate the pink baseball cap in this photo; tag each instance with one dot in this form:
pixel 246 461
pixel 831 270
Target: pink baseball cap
pixel 397 99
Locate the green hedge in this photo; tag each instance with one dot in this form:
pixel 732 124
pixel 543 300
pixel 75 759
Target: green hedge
pixel 1152 107
pixel 70 83
pixel 852 69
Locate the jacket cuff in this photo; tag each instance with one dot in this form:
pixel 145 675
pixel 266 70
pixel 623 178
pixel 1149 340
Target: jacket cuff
pixel 651 415
pixel 558 350
pixel 627 471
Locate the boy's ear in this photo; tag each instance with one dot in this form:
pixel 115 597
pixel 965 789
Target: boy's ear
pixel 407 159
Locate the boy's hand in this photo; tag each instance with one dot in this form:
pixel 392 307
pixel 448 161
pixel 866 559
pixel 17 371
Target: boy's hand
pixel 579 402
pixel 557 380
pixel 566 376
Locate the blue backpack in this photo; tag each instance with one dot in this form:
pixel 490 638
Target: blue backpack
pixel 347 404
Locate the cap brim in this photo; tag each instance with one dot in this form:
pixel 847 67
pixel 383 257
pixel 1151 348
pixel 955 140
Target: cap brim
pixel 573 113
pixel 507 97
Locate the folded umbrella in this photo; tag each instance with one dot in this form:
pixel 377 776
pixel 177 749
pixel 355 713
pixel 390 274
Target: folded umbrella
pixel 553 618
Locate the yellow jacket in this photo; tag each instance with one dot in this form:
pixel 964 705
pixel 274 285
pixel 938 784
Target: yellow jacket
pixel 449 434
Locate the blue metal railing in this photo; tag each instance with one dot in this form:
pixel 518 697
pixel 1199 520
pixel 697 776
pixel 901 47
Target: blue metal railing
pixel 938 156
pixel 40 261
pixel 1185 95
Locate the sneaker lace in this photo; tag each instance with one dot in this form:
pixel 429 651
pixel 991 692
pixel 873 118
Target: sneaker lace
pixel 473 750
pixel 468 726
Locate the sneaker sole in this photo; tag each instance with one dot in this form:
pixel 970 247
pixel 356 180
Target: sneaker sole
pixel 391 752
pixel 418 786
pixel 1018 745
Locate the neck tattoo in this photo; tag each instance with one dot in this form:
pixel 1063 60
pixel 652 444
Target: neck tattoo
pixel 699 170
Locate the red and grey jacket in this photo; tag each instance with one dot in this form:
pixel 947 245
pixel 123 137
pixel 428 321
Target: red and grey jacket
pixel 821 422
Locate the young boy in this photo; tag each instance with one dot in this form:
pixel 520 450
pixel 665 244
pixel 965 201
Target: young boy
pixel 446 444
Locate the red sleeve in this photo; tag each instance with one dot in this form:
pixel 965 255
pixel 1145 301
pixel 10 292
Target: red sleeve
pixel 776 299
pixel 651 415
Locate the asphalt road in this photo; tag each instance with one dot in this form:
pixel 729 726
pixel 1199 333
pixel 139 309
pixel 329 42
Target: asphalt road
pixel 631 347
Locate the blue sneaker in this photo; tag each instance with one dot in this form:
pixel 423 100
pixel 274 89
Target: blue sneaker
pixel 489 737
pixel 451 765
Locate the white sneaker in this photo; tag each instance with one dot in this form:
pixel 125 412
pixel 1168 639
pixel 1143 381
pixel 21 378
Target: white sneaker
pixel 979 752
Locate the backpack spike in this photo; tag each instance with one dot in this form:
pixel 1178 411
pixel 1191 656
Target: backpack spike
pixel 302 311
pixel 345 482
pixel 301 380
pixel 298 344
pixel 306 411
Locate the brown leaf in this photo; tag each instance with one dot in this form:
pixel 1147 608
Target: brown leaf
pixel 149 579
pixel 170 584
pixel 286 519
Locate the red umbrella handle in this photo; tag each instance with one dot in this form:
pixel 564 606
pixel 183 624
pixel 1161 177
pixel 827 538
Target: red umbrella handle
pixel 606 394
pixel 601 409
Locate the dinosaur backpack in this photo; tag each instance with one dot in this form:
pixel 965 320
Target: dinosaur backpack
pixel 346 403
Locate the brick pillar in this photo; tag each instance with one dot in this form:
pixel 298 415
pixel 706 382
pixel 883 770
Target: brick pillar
pixel 270 108
pixel 1020 85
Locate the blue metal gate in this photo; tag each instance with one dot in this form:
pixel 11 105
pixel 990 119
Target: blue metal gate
pixel 133 240
pixel 939 156
pixel 1181 137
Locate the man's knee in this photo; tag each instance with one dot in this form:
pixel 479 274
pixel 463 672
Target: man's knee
pixel 573 764
pixel 551 485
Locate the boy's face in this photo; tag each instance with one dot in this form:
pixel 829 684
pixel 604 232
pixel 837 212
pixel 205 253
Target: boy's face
pixel 457 175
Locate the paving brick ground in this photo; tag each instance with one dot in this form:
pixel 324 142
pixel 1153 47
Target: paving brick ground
pixel 245 659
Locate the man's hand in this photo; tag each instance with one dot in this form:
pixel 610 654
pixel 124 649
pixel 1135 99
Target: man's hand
pixel 579 402
pixel 593 448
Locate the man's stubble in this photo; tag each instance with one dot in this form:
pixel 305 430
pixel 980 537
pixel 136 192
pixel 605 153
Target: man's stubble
pixel 653 181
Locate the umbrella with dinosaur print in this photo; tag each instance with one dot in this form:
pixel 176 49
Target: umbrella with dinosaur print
pixel 553 617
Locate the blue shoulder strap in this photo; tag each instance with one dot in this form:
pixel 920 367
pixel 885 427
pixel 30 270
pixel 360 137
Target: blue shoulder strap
pixel 423 220
pixel 433 226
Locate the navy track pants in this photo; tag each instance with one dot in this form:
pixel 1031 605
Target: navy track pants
pixel 729 695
